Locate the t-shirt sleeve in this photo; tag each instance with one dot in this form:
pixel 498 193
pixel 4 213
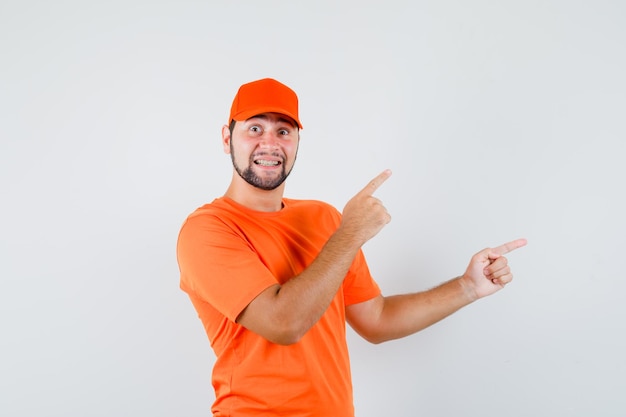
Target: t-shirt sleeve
pixel 359 286
pixel 218 265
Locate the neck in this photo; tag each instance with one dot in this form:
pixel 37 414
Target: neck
pixel 254 198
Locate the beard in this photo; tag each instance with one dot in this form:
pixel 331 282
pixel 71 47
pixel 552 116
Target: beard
pixel 248 175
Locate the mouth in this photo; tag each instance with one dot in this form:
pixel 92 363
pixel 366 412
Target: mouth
pixel 266 161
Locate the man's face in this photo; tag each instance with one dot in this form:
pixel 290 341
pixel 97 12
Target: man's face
pixel 263 149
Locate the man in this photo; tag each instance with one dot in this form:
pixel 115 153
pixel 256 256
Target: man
pixel 274 280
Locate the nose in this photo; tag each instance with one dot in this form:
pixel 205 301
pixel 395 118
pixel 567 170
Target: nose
pixel 269 140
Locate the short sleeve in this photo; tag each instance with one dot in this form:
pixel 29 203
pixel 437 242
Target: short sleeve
pixel 359 285
pixel 218 265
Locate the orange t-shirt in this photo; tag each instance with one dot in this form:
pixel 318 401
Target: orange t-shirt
pixel 227 255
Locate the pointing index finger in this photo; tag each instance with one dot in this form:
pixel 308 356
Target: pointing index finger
pixel 373 185
pixel 508 247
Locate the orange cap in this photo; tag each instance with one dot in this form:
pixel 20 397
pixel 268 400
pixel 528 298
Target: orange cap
pixel 264 96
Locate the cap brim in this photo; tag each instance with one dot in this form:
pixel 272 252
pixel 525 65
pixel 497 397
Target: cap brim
pixel 245 115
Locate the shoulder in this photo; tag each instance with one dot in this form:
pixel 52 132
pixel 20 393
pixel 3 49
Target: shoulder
pixel 310 215
pixel 314 205
pixel 311 208
pixel 218 213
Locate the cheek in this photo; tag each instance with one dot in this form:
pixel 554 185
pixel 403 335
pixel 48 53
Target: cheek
pixel 232 147
pixel 241 153
pixel 291 148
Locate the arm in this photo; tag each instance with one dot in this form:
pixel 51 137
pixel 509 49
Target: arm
pixel 387 318
pixel 284 313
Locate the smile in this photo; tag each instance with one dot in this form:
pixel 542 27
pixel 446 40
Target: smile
pixel 267 163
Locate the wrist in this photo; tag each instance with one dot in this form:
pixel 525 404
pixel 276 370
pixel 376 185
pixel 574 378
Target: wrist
pixel 468 288
pixel 349 238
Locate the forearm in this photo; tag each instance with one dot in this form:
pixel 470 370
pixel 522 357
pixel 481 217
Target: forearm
pixel 386 318
pixel 310 293
pixel 283 314
pixel 402 315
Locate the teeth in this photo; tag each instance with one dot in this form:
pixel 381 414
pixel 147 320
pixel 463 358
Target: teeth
pixel 266 163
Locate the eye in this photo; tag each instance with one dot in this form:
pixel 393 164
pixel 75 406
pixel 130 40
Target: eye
pixel 283 132
pixel 255 129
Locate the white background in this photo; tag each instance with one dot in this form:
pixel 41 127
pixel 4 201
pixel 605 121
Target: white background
pixel 499 119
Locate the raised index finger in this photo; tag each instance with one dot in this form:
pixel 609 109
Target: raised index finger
pixel 376 182
pixel 508 247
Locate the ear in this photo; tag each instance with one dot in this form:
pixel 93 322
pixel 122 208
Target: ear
pixel 226 139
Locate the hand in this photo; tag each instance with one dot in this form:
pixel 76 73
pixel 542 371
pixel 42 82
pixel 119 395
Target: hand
pixel 488 271
pixel 364 215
